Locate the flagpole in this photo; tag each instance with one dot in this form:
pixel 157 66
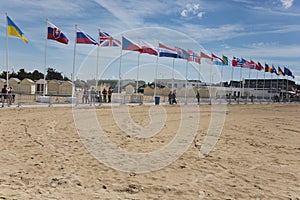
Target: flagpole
pixel 173 68
pixel 248 92
pixel 256 83
pixel 241 82
pixel 231 85
pixel 97 65
pixel 6 50
pixel 277 84
pixel 45 58
pixel 271 92
pixel 199 68
pixel 222 68
pixel 73 70
pixel 137 74
pixel 263 97
pixel 120 66
pixel 186 81
pixel 287 87
pixel 210 87
pixel 222 85
pixel 156 69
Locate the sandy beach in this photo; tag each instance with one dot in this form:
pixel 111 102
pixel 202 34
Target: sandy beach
pixel 257 156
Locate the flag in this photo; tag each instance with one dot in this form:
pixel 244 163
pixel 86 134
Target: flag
pixel 129 45
pixel 147 48
pixel 217 60
pixel 197 58
pixel 191 55
pixel 234 62
pixel 258 66
pixel 203 55
pixel 13 30
pixel 55 33
pixel 288 72
pixel 274 70
pixel 248 64
pixel 183 54
pixel 280 72
pixel 165 51
pixel 268 68
pixel 237 62
pixel 83 38
pixel 225 59
pixel 107 41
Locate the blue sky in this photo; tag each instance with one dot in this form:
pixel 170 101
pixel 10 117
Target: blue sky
pixel 266 31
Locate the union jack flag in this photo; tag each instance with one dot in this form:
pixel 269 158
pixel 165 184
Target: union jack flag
pixel 107 41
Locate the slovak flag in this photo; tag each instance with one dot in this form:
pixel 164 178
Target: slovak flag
pixel 129 45
pixel 83 38
pixel 55 33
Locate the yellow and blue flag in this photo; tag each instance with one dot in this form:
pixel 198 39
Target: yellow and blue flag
pixel 13 30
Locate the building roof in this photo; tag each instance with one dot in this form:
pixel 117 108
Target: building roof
pixel 29 80
pixel 15 79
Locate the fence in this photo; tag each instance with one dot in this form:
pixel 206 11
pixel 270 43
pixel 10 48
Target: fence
pixel 22 99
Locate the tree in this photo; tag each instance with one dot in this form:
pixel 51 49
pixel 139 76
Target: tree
pixel 22 74
pixel 53 74
pixel 3 75
pixel 36 75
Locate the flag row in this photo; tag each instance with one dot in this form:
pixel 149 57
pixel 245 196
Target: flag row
pixel 105 40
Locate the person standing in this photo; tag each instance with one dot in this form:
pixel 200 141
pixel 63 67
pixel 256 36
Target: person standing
pixel 170 96
pixel 174 97
pixel 4 95
pixel 85 96
pixel 11 96
pixel 92 96
pixel 104 93
pixel 109 95
pixel 198 97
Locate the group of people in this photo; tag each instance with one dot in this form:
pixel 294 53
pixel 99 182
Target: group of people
pixel 173 100
pixel 7 95
pixel 93 96
pixel 172 97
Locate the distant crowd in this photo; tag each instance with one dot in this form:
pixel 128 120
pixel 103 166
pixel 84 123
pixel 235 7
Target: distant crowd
pixel 93 96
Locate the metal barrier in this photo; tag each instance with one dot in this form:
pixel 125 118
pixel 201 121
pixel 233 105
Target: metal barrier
pixel 22 99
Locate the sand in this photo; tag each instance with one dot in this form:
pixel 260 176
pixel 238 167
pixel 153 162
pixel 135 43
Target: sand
pixel 257 156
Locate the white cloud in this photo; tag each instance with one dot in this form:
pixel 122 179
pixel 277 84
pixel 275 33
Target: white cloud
pixel 184 13
pixel 192 10
pixel 200 14
pixel 287 3
pixel 206 34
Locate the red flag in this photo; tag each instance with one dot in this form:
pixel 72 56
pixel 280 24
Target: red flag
pixel 203 55
pixel 258 66
pixel 147 48
pixel 234 62
pixel 217 60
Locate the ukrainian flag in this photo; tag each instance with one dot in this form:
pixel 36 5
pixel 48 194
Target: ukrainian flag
pixel 13 30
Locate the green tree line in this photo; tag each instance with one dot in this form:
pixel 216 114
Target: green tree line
pixel 52 74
